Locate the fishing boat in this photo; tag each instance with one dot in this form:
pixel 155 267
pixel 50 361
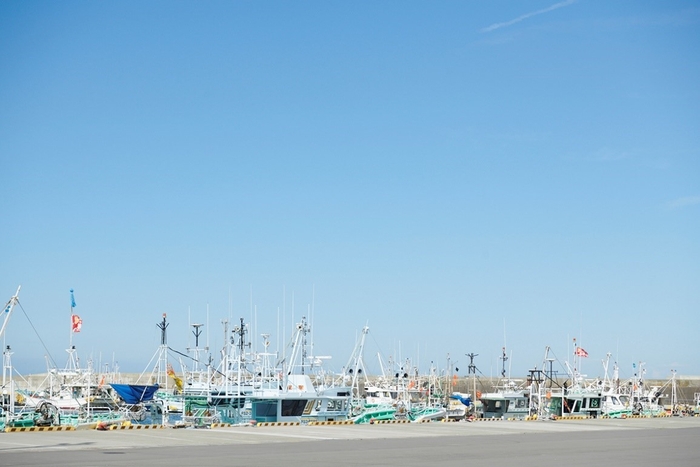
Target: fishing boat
pixel 220 394
pixel 70 396
pixel 300 401
pixel 372 414
pixel 509 401
pixel 290 395
pixel 398 393
pixel 616 405
pixel 563 403
pixel 572 398
pixel 458 406
pixel 616 401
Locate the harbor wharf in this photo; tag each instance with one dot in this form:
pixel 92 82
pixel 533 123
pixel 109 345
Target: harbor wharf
pixel 623 442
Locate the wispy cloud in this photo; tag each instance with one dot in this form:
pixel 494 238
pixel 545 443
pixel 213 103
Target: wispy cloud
pixel 684 202
pixel 556 6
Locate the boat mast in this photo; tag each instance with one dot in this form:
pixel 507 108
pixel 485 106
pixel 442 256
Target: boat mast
pixel 546 389
pixel 7 353
pixel 8 311
pixel 265 366
pixel 303 349
pixel 7 372
pixel 381 365
pixel 504 357
pixel 674 394
pixel 225 356
pixel 298 341
pixel 607 384
pixel 240 332
pixel 356 364
pixel 197 331
pixel 448 384
pixel 535 380
pixel 162 377
pixel 471 369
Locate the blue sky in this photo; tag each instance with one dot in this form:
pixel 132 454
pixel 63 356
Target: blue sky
pixel 459 176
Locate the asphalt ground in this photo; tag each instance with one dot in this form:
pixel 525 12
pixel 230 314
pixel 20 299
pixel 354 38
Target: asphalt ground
pixel 669 441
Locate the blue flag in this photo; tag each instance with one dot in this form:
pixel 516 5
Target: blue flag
pixel 72 299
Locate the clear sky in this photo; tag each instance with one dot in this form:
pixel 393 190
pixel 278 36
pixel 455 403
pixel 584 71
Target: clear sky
pixel 458 176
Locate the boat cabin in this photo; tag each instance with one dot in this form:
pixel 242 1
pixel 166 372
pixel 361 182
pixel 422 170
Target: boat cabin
pixel 510 405
pixel 567 404
pixel 301 402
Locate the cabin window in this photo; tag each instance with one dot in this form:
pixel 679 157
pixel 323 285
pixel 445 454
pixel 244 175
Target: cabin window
pixel 572 406
pixel 520 403
pixel 335 405
pixel 555 406
pixel 495 406
pixel 293 407
pixel 265 409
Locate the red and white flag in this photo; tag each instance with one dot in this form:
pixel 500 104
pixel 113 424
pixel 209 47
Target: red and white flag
pixel 76 323
pixel 580 352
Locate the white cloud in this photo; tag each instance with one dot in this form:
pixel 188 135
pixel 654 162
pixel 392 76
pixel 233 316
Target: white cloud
pixel 556 6
pixel 684 202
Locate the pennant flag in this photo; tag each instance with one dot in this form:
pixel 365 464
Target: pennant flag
pixel 580 352
pixel 72 299
pixel 76 323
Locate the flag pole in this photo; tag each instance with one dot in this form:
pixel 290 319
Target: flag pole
pixel 72 305
pixel 72 360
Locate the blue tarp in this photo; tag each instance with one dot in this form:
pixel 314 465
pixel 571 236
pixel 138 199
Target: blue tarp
pixel 462 398
pixel 135 393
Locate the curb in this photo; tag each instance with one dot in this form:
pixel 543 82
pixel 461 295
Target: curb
pixel 14 429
